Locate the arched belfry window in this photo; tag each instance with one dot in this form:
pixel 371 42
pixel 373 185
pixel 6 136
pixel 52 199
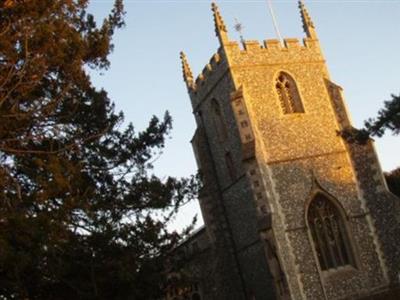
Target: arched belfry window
pixel 218 120
pixel 288 93
pixel 329 233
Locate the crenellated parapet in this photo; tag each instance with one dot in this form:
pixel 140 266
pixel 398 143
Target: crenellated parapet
pixel 253 52
pixel 250 48
pixel 272 51
pixel 195 85
pixel 209 76
pixel 275 45
pixel 208 70
pixel 232 54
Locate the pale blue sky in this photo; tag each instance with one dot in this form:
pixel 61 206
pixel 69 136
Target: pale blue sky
pixel 360 40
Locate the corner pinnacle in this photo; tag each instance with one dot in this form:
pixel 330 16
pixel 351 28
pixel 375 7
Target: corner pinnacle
pixel 220 28
pixel 187 72
pixel 308 25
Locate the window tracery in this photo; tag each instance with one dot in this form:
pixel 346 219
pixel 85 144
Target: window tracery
pixel 329 234
pixel 288 94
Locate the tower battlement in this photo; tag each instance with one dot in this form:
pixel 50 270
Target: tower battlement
pixel 207 70
pixel 251 47
pixel 233 54
pixel 252 52
pixel 275 45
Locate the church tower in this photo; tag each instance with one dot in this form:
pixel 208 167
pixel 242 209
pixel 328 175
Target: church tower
pixel 291 209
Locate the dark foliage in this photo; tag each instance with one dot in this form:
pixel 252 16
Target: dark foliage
pixel 388 118
pixel 78 205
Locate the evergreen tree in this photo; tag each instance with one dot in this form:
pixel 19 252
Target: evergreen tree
pixel 80 211
pixel 388 118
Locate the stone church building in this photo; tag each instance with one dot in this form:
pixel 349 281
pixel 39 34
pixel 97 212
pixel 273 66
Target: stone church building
pixel 291 209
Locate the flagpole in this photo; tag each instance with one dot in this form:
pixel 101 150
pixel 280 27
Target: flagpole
pixel 271 11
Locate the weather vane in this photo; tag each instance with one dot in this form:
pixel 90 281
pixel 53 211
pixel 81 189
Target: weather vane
pixel 239 28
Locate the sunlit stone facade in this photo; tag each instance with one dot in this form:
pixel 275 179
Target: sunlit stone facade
pixel 291 210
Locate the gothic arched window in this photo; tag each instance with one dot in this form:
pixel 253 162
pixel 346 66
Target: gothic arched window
pixel 218 120
pixel 329 233
pixel 288 93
